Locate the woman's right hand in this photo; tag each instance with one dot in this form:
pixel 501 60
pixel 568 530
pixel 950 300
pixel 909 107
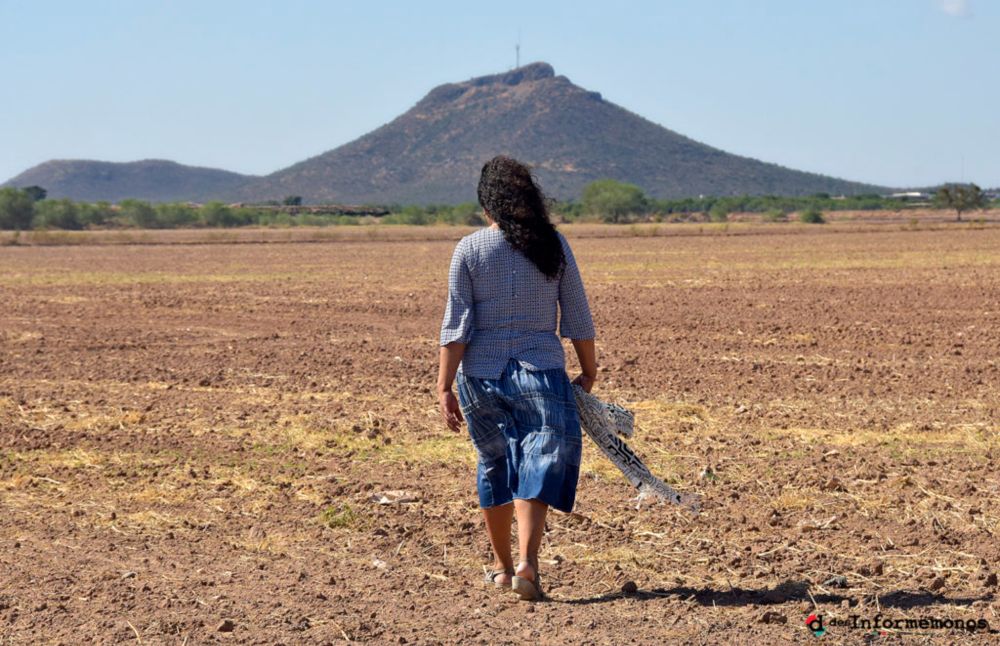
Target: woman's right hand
pixel 585 382
pixel 450 409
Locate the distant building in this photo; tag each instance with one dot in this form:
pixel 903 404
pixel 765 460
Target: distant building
pixel 910 195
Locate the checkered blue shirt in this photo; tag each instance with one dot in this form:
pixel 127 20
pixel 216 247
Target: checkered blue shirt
pixel 502 307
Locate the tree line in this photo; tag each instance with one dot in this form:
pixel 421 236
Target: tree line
pixel 603 200
pixel 611 201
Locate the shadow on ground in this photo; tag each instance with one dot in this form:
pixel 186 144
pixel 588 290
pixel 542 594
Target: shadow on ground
pixel 789 591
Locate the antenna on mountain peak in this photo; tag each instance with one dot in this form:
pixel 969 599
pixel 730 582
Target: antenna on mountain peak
pixel 517 51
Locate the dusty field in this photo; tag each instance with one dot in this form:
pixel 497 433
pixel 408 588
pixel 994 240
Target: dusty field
pixel 191 437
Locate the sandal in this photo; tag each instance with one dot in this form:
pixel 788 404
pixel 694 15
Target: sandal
pixel 490 576
pixel 527 589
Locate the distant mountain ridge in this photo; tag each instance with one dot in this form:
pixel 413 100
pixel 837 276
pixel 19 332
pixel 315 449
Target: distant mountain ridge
pixel 433 152
pixel 156 180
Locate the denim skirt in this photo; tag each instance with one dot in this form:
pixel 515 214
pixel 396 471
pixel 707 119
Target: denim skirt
pixel 526 431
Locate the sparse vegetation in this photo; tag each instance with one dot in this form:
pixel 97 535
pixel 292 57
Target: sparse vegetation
pixel 812 215
pixel 468 213
pixel 719 213
pixel 603 201
pixel 774 208
pixel 338 516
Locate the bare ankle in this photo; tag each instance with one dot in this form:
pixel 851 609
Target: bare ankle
pixel 526 568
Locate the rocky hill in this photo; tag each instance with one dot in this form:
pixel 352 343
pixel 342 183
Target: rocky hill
pixel 433 153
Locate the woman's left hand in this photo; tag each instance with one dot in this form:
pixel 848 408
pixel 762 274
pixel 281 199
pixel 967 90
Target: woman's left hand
pixel 450 409
pixel 585 382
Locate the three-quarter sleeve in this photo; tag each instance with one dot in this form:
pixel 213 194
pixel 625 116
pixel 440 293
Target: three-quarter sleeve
pixel 575 321
pixel 459 313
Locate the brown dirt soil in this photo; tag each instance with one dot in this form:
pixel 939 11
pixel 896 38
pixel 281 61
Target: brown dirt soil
pixel 191 437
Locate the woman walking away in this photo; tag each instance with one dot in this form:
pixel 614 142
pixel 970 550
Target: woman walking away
pixel 499 347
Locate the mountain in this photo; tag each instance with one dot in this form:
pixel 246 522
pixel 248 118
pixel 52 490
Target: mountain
pixel 155 180
pixel 433 152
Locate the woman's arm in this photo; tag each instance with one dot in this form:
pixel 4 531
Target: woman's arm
pixel 451 356
pixel 456 332
pixel 586 352
pixel 575 320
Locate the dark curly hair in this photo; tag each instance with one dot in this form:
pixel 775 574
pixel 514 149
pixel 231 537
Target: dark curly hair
pixel 509 193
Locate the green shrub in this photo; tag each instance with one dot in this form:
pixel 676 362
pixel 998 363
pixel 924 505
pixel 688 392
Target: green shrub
pixel 217 214
pixel 17 209
pixel 175 215
pixel 36 193
pixel 812 215
pixel 468 213
pixel 338 516
pixel 567 211
pixel 614 201
pixel 719 213
pixel 446 217
pixel 281 220
pixel 56 214
pixel 311 220
pixel 775 215
pixel 139 214
pixel 96 214
pixel 410 215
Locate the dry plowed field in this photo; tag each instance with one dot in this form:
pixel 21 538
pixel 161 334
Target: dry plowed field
pixel 240 443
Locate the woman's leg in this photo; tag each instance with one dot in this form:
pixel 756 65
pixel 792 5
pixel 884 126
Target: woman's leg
pixel 498 521
pixel 487 421
pixel 530 526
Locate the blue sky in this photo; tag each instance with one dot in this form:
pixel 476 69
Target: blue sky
pixel 897 92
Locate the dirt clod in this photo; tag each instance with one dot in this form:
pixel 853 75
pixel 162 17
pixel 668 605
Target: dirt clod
pixel 772 617
pixel 838 581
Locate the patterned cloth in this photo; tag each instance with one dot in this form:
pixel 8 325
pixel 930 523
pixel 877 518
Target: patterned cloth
pixel 503 307
pixel 603 422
